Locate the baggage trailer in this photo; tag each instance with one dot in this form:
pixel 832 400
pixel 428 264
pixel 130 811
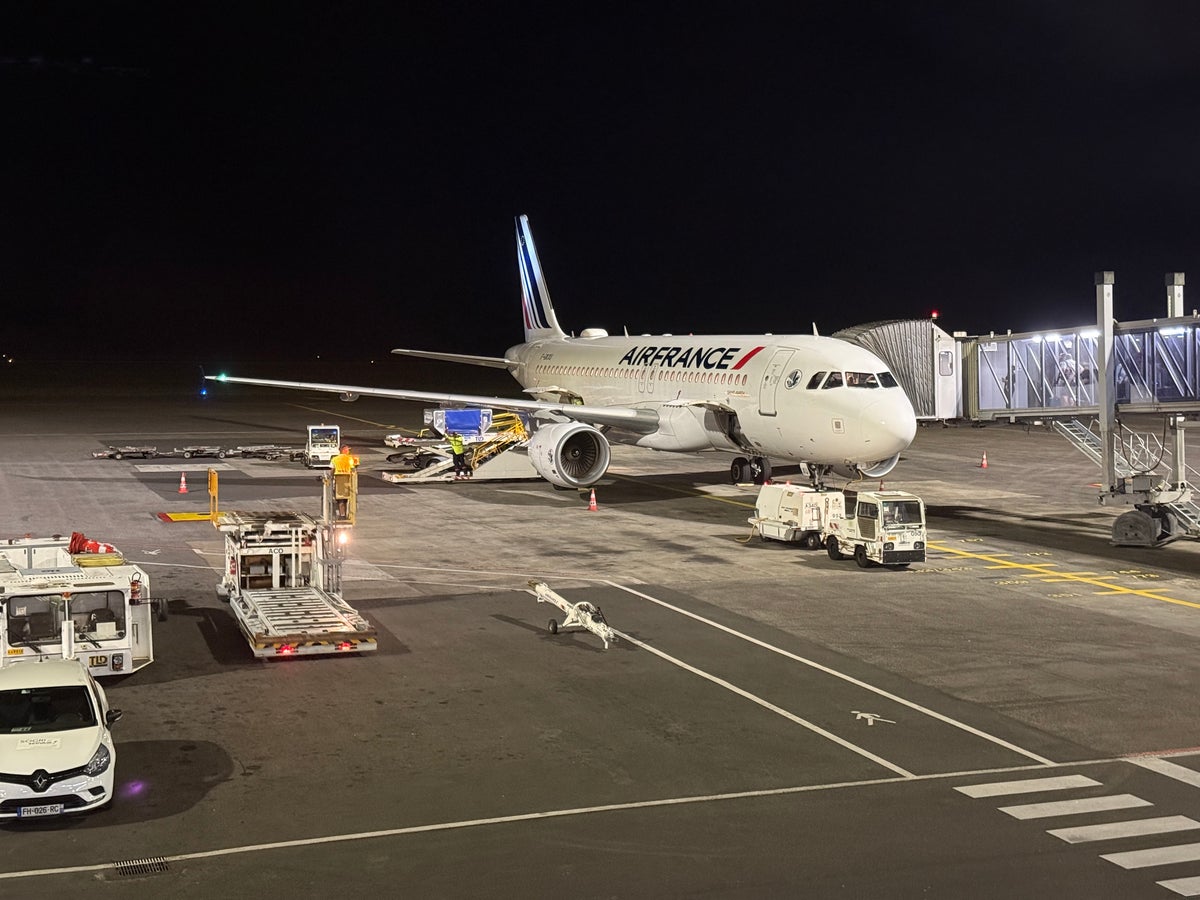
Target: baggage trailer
pixel 282 582
pixel 62 597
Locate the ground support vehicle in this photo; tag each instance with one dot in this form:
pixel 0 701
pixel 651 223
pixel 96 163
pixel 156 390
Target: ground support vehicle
pixel 882 527
pixel 267 451
pixel 495 446
pixel 202 451
pixel 324 442
pixel 56 751
pixel 122 452
pixel 282 582
pixel 793 513
pixel 74 597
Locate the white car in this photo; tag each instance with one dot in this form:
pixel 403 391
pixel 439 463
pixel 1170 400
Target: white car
pixel 56 752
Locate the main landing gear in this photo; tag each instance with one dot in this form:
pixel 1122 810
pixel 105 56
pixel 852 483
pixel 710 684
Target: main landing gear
pixel 756 469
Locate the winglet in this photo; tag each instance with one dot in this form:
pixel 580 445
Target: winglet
pixel 540 321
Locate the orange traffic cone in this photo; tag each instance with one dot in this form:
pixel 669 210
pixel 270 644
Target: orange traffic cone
pixel 183 482
pixel 983 464
pixel 592 501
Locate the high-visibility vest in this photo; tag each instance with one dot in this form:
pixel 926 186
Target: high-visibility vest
pixel 456 444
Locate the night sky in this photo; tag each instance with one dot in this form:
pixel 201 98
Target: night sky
pixel 217 182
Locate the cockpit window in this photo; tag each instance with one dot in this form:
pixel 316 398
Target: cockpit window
pixel 887 379
pixel 834 380
pixel 815 381
pixel 862 380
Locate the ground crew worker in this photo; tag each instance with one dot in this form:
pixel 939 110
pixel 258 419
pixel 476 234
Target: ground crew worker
pixel 343 463
pixel 461 469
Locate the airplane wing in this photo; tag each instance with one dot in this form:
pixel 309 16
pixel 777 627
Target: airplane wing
pixel 625 417
pixel 495 362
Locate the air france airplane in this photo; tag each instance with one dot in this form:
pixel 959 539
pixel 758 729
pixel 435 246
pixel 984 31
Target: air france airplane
pixel 797 398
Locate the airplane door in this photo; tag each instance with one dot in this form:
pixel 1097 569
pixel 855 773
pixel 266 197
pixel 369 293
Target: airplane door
pixel 644 379
pixel 772 375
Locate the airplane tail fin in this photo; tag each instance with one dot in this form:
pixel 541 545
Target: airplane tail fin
pixel 540 321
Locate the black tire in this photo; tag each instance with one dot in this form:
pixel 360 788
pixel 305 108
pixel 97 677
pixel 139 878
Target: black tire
pixel 760 470
pixel 737 469
pixel 187 454
pixel 118 455
pixel 812 541
pixel 220 454
pixel 552 626
pixel 860 557
pixel 831 547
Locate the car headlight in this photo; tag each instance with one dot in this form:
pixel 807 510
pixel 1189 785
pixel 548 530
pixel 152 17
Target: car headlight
pixel 99 761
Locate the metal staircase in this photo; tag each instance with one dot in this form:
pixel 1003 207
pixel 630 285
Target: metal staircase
pixel 1137 458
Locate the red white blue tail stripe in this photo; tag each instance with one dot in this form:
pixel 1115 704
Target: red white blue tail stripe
pixel 540 321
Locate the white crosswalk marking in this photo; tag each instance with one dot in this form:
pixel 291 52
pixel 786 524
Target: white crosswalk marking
pixel 1028 786
pixel 1170 769
pixel 1134 828
pixel 1074 807
pixel 1158 856
pixel 1184 887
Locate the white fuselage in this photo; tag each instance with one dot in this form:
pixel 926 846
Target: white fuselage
pixel 753 394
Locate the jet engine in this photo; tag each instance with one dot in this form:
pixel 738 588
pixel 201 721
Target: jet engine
pixel 569 454
pixel 876 469
pixel 347 397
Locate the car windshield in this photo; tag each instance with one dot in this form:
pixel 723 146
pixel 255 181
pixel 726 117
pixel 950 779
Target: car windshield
pixel 38 710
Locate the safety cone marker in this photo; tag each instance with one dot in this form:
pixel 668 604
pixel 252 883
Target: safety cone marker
pixel 183 482
pixel 592 501
pixel 983 464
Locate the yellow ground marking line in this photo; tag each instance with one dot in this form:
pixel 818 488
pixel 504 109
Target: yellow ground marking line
pixel 1036 569
pixel 341 415
pixel 186 516
pixel 687 492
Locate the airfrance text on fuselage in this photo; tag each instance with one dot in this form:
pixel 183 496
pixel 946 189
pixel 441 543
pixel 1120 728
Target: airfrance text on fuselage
pixel 687 357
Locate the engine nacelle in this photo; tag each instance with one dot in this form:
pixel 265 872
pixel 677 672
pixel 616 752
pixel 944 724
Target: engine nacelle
pixel 569 454
pixel 347 397
pixel 876 469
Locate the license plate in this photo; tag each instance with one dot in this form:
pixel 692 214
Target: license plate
pixel 45 809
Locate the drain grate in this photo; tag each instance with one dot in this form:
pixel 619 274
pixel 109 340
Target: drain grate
pixel 149 866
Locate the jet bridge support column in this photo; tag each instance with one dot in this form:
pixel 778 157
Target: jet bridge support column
pixel 1178 474
pixel 1106 387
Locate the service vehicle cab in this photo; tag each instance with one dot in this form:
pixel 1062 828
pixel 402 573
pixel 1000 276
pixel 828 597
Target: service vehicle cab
pixel 56 751
pixel 75 597
pixel 882 527
pixel 323 444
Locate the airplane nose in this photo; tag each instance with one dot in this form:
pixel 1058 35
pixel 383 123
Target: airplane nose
pixel 890 423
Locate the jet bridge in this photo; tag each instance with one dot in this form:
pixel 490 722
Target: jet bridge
pixel 1083 381
pixel 1101 373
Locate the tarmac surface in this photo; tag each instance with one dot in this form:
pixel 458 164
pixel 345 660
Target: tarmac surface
pixel 1018 716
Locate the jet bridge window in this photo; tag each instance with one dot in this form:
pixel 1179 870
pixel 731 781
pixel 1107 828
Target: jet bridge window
pixel 815 381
